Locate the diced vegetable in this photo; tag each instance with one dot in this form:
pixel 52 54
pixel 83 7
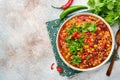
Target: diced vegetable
pixel 92 27
pixel 74 34
pixel 59 69
pixel 78 36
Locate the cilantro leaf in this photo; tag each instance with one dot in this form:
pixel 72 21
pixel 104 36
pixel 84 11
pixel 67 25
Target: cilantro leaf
pixel 91 3
pixel 76 60
pixel 86 24
pixel 92 27
pixel 76 45
pixel 71 30
pixel 108 9
pixel 73 50
pixel 110 5
pixel 68 39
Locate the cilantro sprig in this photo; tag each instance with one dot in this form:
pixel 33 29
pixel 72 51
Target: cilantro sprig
pixel 108 9
pixel 76 60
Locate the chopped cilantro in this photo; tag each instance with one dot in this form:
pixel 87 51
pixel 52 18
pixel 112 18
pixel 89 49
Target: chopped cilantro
pixel 75 45
pixel 108 9
pixel 68 39
pixel 76 60
pixel 91 3
pixel 92 27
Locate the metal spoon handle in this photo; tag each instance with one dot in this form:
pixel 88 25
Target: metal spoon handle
pixel 112 62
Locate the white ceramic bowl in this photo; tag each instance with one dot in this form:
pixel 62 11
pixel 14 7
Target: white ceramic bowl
pixel 113 43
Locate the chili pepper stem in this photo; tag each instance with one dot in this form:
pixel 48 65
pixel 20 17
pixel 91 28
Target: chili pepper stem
pixel 56 7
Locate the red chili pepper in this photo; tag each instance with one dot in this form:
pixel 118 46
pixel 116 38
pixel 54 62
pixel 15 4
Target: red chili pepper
pixel 59 69
pixel 65 6
pixel 52 66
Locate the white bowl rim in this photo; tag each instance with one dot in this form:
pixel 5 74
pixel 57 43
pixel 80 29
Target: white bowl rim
pixel 88 69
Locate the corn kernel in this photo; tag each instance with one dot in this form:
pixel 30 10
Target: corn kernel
pixel 68 55
pixel 108 45
pixel 97 20
pixel 86 46
pixel 98 28
pixel 95 45
pixel 92 39
pixel 81 67
pixel 92 49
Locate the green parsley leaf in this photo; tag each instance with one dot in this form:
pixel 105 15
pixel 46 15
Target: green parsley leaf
pixel 108 9
pixel 68 39
pixel 86 24
pixel 92 27
pixel 76 60
pixel 75 45
pixel 71 30
pixel 91 3
pixel 110 5
pixel 73 50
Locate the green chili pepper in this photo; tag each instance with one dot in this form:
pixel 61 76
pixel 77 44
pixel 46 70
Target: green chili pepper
pixel 71 9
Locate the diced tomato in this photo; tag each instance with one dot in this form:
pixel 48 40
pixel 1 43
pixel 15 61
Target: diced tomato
pixel 74 34
pixel 88 33
pixel 88 41
pixel 59 69
pixel 90 44
pixel 62 38
pixel 104 42
pixel 78 36
pixel 84 55
pixel 103 45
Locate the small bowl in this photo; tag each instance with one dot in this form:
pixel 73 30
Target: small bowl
pixel 113 43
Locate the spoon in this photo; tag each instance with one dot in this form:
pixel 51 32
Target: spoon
pixel 117 39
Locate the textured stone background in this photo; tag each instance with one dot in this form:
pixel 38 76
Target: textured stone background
pixel 25 49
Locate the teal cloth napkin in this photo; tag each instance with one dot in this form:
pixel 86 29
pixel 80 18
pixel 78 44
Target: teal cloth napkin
pixel 53 27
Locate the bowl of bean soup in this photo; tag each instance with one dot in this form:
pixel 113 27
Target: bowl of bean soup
pixel 85 42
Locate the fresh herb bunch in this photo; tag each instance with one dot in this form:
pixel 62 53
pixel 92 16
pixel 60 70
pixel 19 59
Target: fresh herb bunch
pixel 108 9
